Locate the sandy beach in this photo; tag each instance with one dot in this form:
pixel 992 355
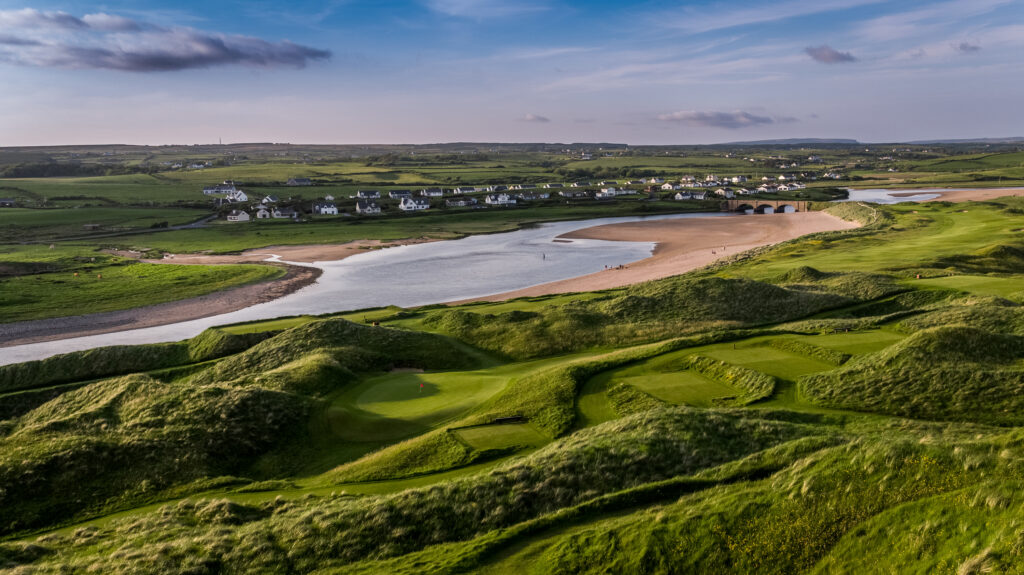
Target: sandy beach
pixel 964 195
pixel 683 245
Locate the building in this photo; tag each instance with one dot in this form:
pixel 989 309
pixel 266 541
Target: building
pixel 270 200
pixel 299 182
pixel 238 216
pixel 683 196
pixel 668 187
pixel 367 207
pixel 738 179
pixel 580 184
pixel 325 209
pixel 223 188
pixel 500 200
pixel 431 192
pixel 262 213
pixel 399 194
pixel 368 195
pixel 6 203
pixel 554 185
pixel 462 202
pixel 497 188
pixel 528 197
pixel 413 204
pixel 284 213
pixel 656 181
pixel 464 190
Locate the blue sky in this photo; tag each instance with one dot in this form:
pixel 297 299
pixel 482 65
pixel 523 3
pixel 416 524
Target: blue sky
pixel 418 71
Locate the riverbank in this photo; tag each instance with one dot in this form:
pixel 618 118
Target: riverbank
pixel 682 246
pixel 217 303
pixel 976 195
pixel 303 253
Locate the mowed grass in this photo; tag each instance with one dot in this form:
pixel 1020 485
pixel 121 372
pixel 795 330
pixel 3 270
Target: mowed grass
pixel 978 285
pixel 502 436
pixel 396 405
pixel 857 342
pixel 681 387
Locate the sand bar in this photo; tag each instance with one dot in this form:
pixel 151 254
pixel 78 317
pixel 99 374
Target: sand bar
pixel 683 245
pixel 976 195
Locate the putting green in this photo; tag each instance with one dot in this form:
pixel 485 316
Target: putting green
pixel 979 285
pixel 775 362
pixel 681 387
pixel 855 342
pixel 501 436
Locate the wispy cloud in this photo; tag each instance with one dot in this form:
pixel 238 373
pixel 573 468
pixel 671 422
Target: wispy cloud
pixel 485 9
pixel 105 41
pixel 536 119
pixel 729 15
pixel 968 48
pixel 727 120
pixel 828 55
pixel 935 19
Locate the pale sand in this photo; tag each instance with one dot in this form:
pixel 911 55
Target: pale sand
pixel 964 195
pixel 305 254
pixel 683 245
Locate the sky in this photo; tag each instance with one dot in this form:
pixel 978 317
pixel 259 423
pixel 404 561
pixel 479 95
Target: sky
pixel 428 71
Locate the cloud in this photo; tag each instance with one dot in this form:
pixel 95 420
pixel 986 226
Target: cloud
pixel 968 48
pixel 105 41
pixel 111 23
pixel 728 120
pixel 535 118
pixel 730 15
pixel 484 9
pixel 828 55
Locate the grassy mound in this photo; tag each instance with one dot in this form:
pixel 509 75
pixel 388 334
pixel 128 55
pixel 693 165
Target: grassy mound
pixel 950 373
pixel 122 359
pixel 650 311
pixel 315 533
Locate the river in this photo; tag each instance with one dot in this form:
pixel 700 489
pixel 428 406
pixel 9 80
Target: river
pixel 406 276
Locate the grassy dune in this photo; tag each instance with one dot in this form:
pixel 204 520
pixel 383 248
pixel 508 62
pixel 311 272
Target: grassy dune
pixel 811 408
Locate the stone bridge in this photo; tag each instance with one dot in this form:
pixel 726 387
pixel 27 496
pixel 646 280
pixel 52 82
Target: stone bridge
pixel 756 206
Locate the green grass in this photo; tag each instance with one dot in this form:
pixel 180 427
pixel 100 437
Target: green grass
pixel 125 286
pixel 682 388
pixel 980 285
pixel 502 436
pixel 269 325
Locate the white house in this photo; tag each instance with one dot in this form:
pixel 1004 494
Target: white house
pixel 225 188
pixel 534 196
pixel 833 175
pixel 725 193
pixel 270 200
pixel 580 184
pixel 413 204
pixel 608 183
pixel 688 178
pixel 368 194
pixel 738 179
pixel 464 190
pixel 500 200
pixel 670 186
pixel 683 196
pixel 367 207
pixel 399 194
pixel 299 182
pixel 325 209
pixel 238 216
pixel 710 178
pixel 262 213
pixel 284 213
pixel 329 198
pixel 237 196
pixel 656 181
pixel 553 185
pixel 497 189
pixel 462 202
pixel 431 192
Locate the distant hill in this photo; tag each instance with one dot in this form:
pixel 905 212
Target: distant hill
pixel 791 141
pixel 1017 140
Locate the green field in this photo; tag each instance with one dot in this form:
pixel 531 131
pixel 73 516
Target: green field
pixel 980 285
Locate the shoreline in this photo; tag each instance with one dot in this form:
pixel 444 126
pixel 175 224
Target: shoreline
pixel 216 303
pixel 681 246
pixel 960 195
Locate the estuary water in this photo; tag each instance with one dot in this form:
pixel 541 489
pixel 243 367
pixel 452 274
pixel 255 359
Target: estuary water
pixel 407 276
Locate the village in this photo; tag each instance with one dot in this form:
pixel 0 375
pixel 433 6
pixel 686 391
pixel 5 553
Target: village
pixel 246 206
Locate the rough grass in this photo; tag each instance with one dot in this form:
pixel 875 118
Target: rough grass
pixel 951 373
